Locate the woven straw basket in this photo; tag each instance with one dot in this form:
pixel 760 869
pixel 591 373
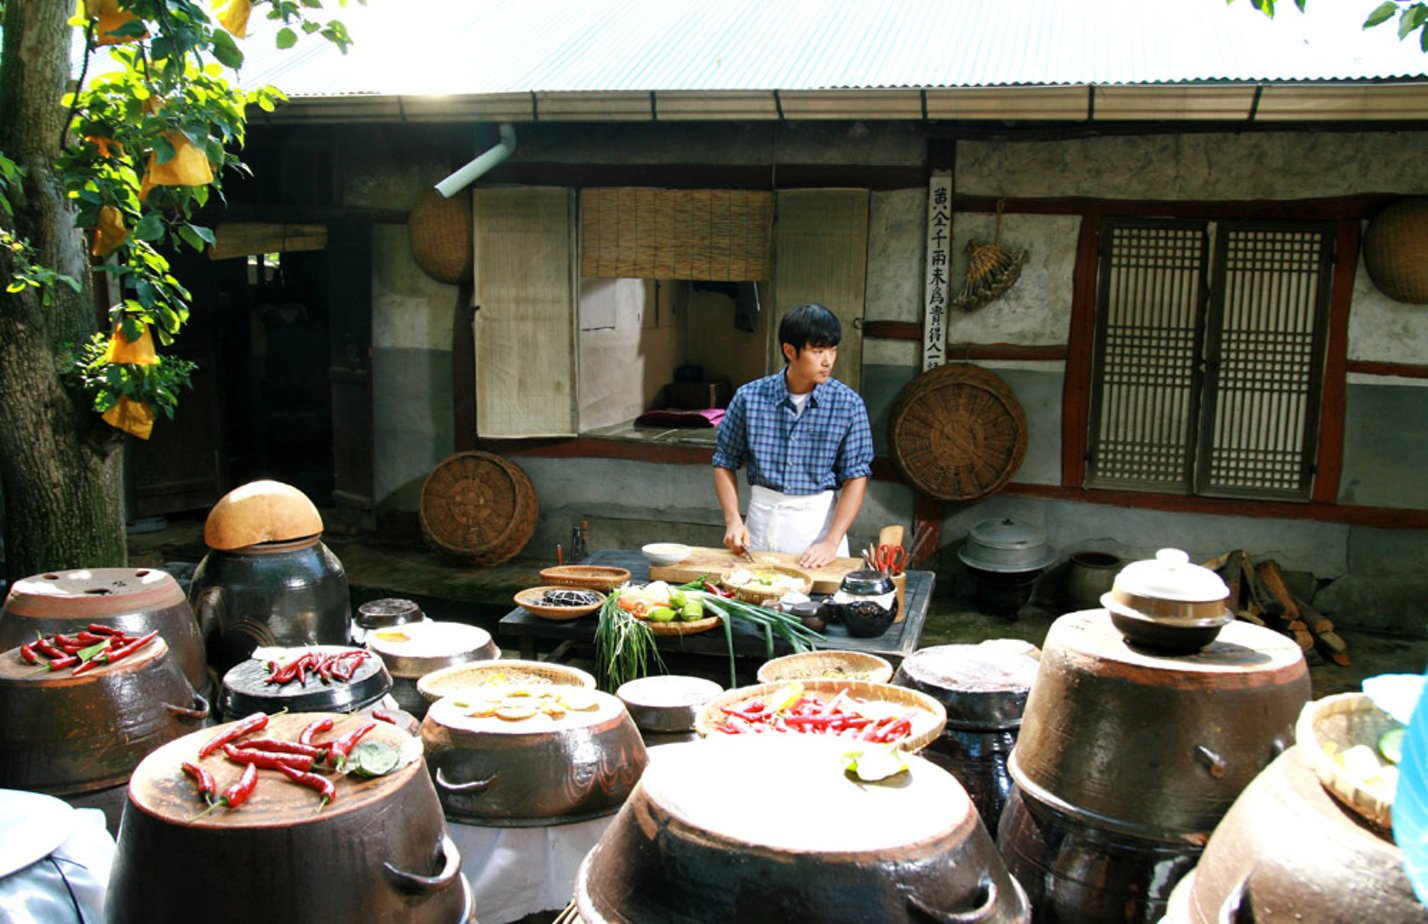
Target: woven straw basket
pixel 478 508
pixel 927 724
pixel 1345 720
pixel 442 238
pixel 826 665
pixel 1396 251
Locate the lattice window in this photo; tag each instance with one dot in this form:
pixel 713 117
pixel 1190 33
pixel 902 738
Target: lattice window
pixel 1207 373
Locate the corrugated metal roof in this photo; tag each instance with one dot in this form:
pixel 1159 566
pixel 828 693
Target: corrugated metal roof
pixel 512 46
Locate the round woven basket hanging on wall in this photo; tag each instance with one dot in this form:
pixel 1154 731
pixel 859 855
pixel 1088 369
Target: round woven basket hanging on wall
pixel 478 507
pixel 1396 251
pixel 957 432
pixel 442 237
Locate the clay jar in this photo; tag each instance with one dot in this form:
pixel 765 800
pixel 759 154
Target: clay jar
pixel 268 579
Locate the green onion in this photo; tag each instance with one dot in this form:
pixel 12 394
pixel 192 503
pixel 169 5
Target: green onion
pixel 623 646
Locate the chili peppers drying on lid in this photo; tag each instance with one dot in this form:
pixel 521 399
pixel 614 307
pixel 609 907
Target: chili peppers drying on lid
pixel 794 712
pixel 321 665
pixel 91 647
pixel 302 760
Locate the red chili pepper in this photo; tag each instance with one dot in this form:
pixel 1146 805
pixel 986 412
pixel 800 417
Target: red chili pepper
pixel 282 747
pixel 251 724
pixel 239 792
pixel 321 783
pixel 60 663
pixel 236 794
pixel 44 647
pixel 321 725
pixel 268 760
pixel 27 653
pixel 116 654
pixel 91 638
pixel 382 715
pixel 97 629
pixel 207 788
pixel 341 747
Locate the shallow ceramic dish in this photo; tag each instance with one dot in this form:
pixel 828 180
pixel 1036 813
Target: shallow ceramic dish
pixel 827 665
pixel 928 720
pixel 480 675
pixel 663 554
pixel 530 600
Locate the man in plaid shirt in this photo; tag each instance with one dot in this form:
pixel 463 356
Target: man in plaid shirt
pixel 805 438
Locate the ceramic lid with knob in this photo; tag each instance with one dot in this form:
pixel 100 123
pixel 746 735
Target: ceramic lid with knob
pixel 1168 602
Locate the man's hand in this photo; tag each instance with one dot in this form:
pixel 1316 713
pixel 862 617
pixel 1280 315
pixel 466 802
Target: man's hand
pixel 736 538
pixel 818 554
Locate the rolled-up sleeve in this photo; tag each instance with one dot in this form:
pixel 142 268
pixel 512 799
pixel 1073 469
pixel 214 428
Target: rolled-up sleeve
pixel 731 445
pixel 855 456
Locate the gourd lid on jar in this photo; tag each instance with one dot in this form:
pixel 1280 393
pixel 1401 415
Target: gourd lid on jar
pixel 1006 545
pixel 1168 586
pixel 258 512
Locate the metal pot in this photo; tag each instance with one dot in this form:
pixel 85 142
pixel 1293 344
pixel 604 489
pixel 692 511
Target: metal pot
pixel 984 690
pixel 706 837
pixel 534 772
pixel 380 852
pixel 1005 545
pixel 64 735
pixel 275 594
pixel 136 600
pixel 1287 852
pixel 1088 575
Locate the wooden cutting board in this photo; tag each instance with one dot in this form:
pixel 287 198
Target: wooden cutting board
pixel 716 562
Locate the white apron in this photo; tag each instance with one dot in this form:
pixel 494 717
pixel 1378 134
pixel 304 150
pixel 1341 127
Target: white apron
pixel 779 522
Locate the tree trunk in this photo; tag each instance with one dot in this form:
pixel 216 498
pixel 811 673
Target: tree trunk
pixel 59 464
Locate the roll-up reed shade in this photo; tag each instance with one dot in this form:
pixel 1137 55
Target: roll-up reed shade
pixel 720 235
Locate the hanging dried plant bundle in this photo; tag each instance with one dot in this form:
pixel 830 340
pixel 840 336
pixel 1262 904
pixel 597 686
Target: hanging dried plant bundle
pixel 991 270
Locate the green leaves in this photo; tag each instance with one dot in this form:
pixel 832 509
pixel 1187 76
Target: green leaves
pixel 1382 13
pixel 287 38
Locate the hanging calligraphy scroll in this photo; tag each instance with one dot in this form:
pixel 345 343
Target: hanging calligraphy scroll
pixel 934 293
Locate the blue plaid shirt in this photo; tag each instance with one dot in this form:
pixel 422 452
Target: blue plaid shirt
pixel 829 443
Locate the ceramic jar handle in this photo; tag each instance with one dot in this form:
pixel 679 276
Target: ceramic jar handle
pixel 414 883
pixel 475 786
pixel 197 713
pixel 988 906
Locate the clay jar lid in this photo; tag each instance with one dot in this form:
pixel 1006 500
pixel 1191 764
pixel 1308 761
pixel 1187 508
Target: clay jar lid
pixel 258 512
pixel 1168 588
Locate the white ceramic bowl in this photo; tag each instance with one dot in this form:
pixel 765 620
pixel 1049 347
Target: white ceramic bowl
pixel 665 553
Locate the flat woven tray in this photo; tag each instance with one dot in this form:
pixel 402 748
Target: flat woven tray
pixel 927 724
pixel 761 597
pixel 827 665
pixel 530 600
pixel 482 675
pixel 1343 721
pixel 593 577
pixel 691 627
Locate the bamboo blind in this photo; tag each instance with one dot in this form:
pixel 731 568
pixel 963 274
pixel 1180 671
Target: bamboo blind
pixel 525 325
pixel 719 235
pixel 821 255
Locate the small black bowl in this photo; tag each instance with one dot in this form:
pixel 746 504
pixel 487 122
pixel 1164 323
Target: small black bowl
pixel 866 618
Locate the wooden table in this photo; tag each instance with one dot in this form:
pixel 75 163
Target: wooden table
pixel 896 643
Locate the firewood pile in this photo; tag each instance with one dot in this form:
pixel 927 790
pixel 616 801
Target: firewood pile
pixel 1258 595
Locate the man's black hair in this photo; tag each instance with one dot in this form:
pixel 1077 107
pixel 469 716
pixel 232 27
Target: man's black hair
pixel 810 325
